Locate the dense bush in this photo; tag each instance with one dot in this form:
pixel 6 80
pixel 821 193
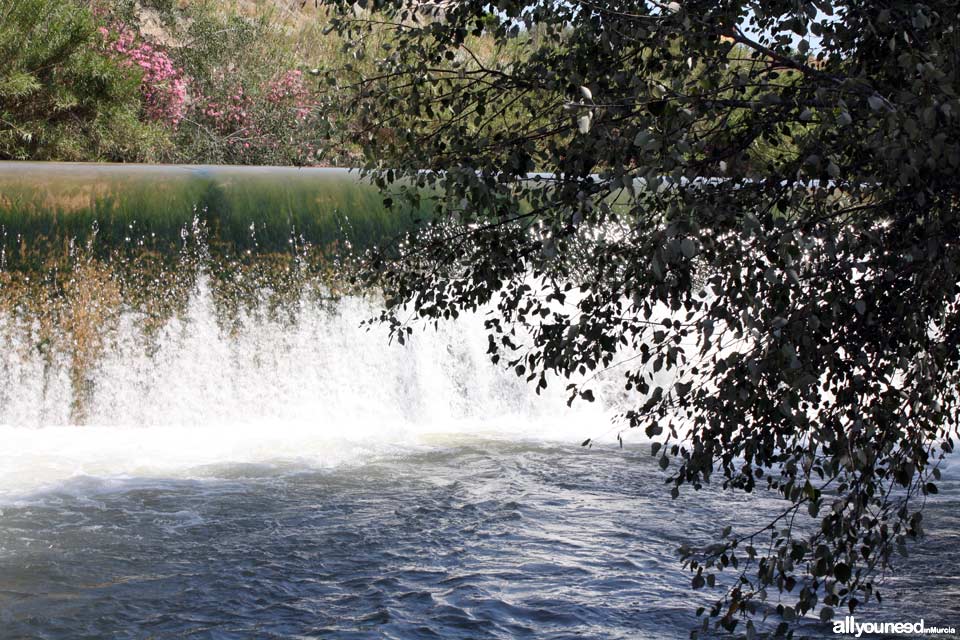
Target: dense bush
pixel 62 94
pixel 197 81
pixel 163 87
pixel 191 82
pixel 248 100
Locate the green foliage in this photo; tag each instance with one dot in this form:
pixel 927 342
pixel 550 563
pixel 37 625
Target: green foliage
pixel 241 112
pixel 778 233
pixel 249 71
pixel 61 96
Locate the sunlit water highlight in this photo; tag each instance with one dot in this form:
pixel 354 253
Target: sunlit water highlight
pixel 304 479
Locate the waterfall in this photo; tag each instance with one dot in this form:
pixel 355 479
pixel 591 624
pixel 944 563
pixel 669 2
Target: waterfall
pixel 156 319
pixel 312 386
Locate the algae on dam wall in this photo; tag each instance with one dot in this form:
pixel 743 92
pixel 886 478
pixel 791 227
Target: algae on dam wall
pixel 86 247
pixel 46 206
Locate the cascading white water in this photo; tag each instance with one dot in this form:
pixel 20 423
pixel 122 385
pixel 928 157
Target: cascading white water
pixel 172 469
pixel 319 389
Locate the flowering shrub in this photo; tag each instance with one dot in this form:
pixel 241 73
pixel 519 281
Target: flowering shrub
pixel 269 123
pixel 163 86
pixel 230 115
pixel 232 95
pixel 289 91
pixel 64 95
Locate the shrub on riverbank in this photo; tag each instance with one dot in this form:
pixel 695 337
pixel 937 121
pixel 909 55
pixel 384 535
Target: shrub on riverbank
pixel 63 95
pixel 249 98
pixel 191 82
pixel 194 81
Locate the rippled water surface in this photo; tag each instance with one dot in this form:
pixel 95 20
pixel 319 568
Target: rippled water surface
pixel 478 539
pixel 296 477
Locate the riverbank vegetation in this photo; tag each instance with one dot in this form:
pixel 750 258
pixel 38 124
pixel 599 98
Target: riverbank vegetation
pixel 61 96
pixel 161 81
pixel 254 82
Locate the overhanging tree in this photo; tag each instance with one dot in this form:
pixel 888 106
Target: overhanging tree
pixel 759 198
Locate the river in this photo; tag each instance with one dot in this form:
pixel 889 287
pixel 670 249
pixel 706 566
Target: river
pixel 294 475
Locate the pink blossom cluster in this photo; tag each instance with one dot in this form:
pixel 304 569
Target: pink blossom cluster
pixel 257 124
pixel 232 116
pixel 289 89
pixel 233 113
pixel 163 86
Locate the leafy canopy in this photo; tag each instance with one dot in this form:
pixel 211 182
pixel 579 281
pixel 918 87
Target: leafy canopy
pixel 758 198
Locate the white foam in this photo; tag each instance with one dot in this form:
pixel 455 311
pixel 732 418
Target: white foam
pixel 321 390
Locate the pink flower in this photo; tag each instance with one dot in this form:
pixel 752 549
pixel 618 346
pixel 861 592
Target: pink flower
pixel 163 87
